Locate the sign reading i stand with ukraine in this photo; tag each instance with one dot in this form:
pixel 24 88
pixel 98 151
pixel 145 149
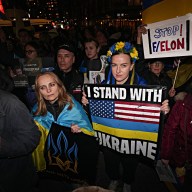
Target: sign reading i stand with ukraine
pixel 127 118
pixel 169 38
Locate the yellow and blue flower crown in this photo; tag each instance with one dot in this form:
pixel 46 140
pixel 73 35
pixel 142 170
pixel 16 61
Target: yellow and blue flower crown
pixel 122 47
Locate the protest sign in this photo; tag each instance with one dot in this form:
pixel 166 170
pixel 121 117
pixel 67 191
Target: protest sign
pixel 127 118
pixel 27 70
pixel 169 38
pixel 20 80
pixel 95 76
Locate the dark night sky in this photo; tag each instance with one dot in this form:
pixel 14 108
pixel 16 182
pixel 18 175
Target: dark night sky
pixel 20 4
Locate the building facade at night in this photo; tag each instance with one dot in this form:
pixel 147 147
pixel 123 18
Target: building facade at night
pixel 94 9
pixel 118 13
pixel 88 12
pixel 49 9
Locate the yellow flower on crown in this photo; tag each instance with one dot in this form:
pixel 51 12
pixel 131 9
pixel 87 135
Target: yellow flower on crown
pixel 119 45
pixel 134 53
pixel 123 47
pixel 109 53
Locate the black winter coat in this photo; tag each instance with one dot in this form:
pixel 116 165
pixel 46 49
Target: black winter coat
pixel 152 79
pixel 19 136
pixel 73 82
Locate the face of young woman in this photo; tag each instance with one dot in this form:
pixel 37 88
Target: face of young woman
pixel 30 52
pixel 156 67
pixel 121 67
pixel 91 50
pixel 48 88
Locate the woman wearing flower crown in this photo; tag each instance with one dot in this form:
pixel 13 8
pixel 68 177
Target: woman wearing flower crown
pixel 122 57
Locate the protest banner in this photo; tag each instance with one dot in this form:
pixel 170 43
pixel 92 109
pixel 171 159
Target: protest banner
pixel 127 118
pixel 168 38
pixel 70 157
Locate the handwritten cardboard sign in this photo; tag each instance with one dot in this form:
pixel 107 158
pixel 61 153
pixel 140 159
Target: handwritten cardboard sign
pixel 169 38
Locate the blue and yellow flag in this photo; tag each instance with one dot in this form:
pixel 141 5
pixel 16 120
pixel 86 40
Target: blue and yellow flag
pixel 66 118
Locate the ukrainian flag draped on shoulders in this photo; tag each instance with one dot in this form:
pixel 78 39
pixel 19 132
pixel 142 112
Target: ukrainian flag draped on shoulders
pixel 66 118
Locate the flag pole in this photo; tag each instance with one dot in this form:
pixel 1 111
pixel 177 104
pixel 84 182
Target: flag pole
pixel 176 73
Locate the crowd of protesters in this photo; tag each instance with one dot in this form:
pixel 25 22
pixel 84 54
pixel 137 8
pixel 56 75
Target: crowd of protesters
pixel 58 92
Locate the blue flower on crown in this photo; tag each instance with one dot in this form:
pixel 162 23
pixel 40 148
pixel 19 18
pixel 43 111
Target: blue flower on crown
pixel 122 47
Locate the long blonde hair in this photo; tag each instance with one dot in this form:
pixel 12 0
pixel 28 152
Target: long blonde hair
pixel 63 97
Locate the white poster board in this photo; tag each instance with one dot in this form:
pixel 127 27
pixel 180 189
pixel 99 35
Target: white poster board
pixel 169 38
pixel 96 77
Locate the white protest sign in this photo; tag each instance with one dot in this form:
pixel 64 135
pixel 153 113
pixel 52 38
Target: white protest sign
pixel 96 77
pixel 169 38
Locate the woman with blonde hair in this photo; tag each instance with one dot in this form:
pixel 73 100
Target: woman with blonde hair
pixel 58 115
pixel 62 96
